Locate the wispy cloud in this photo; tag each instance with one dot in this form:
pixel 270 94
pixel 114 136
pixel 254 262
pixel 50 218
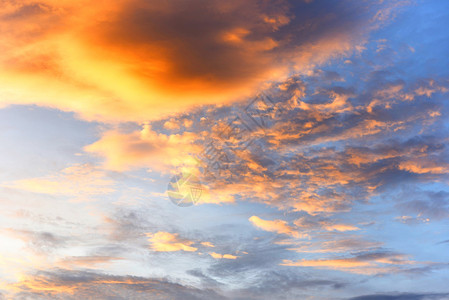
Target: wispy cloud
pixel 167 242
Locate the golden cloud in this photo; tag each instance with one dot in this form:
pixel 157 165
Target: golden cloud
pixel 168 242
pixel 278 226
pixel 224 256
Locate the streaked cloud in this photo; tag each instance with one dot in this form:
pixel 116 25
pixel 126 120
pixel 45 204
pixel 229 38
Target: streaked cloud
pixel 277 226
pixel 82 182
pixel 80 284
pixel 367 263
pixel 220 256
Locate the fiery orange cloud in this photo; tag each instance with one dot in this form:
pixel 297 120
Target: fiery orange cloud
pixel 133 60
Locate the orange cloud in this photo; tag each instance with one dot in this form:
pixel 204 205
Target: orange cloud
pixel 134 60
pixel 278 226
pixel 368 264
pixel 67 284
pixel 208 244
pixel 331 263
pixel 220 256
pixel 168 242
pixel 340 227
pixel 424 167
pixel 145 149
pixel 350 244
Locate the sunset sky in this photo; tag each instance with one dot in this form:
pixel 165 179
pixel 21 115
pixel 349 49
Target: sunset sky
pixel 318 130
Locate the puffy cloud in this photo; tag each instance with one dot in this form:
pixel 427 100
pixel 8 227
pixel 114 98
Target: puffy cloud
pixel 142 60
pixel 145 149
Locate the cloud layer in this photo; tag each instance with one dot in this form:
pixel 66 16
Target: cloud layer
pixel 142 60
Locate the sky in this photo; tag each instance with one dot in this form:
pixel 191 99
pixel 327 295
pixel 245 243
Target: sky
pixel 229 150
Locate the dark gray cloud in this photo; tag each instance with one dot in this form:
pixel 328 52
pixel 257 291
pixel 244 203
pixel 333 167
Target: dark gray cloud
pixel 285 285
pixel 432 205
pixel 405 296
pixel 262 255
pixel 227 44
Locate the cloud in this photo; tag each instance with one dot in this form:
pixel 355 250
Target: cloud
pixel 365 263
pixel 310 223
pixel 168 242
pixel 335 244
pixel 326 167
pixel 293 285
pixel 40 242
pixel 348 145
pixel 424 166
pixel 119 67
pixel 85 261
pixel 422 206
pixel 404 296
pixel 66 284
pixel 145 149
pixel 207 244
pixel 80 181
pixel 220 256
pixel 331 263
pixel 277 226
pixel 340 227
